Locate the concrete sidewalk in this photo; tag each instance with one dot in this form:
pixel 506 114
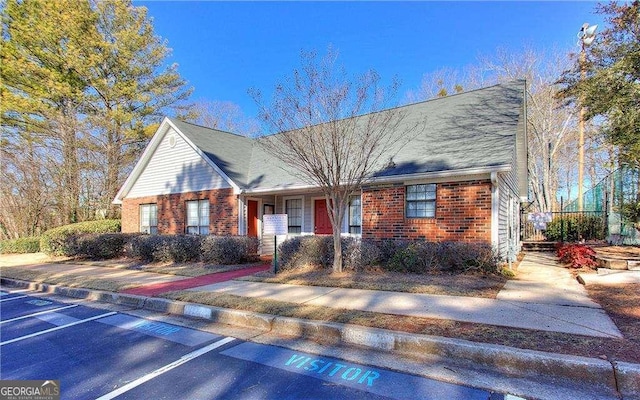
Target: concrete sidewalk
pixel 110 273
pixel 544 297
pixel 532 297
pixel 159 288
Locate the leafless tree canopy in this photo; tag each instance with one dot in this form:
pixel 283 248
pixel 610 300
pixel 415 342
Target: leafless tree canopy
pixel 331 130
pixel 552 126
pixel 225 116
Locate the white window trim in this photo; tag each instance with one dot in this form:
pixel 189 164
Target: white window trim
pixel 186 224
pixel 284 211
pixel 347 225
pixel 140 222
pixel 406 201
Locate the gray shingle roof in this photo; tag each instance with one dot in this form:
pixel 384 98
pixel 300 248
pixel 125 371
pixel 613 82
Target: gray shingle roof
pixel 475 129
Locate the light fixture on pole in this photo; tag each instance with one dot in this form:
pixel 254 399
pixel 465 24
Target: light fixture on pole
pixel 586 35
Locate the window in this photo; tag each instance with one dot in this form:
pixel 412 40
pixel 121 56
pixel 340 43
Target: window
pixel 149 218
pixel 421 201
pixel 294 215
pixel 355 215
pixel 198 217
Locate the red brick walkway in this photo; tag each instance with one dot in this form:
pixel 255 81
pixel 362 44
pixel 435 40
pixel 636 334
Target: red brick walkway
pixel 159 288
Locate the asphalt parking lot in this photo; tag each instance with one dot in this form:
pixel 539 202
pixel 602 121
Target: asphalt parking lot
pixel 97 353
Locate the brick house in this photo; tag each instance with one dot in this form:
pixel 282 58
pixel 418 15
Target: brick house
pixel 461 179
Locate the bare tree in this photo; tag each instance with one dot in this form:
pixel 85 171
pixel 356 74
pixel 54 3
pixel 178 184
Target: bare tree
pixel 551 125
pixel 225 116
pixel 26 193
pixel 445 82
pixel 331 131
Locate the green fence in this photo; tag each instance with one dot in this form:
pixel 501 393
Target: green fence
pixel 611 211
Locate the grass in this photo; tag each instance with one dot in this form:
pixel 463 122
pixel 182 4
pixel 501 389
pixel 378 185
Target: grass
pixel 190 269
pixel 612 349
pixel 622 304
pixel 181 269
pixel 71 280
pixel 475 285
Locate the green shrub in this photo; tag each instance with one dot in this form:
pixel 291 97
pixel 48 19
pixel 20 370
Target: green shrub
pixel 177 248
pixel 459 256
pixel 421 257
pixel 575 227
pixel 228 250
pixel 418 257
pixel 56 241
pixel 360 254
pixel 192 248
pixel 164 248
pixel 20 245
pixel 301 251
pixel 389 247
pixel 98 246
pixel 142 247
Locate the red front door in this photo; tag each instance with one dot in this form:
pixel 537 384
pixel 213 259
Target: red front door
pixel 322 223
pixel 252 218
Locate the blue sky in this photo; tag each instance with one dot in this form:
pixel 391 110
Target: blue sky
pixel 225 48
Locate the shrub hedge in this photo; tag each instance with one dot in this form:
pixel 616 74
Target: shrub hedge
pixel 228 250
pixel 192 248
pixel 97 246
pixel 575 228
pixel 400 256
pixel 423 257
pixel 317 251
pixel 21 245
pixel 56 241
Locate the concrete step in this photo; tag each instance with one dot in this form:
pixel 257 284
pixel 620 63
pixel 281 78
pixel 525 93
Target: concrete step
pixel 618 264
pixel 539 246
pixel 611 263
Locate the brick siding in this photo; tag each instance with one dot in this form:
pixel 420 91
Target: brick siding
pixel 172 209
pixel 463 213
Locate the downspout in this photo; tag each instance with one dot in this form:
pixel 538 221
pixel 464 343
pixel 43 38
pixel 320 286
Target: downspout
pixel 242 226
pixel 495 211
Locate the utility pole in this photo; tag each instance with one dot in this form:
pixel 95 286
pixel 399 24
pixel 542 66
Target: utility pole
pixel 586 35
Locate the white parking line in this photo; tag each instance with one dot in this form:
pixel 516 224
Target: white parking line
pixel 38 313
pixel 166 368
pixel 5 292
pixel 13 298
pixel 57 328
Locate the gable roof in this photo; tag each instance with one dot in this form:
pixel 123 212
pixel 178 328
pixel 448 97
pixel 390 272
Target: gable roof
pixel 230 152
pixel 471 131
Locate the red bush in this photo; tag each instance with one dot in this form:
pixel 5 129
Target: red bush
pixel 577 256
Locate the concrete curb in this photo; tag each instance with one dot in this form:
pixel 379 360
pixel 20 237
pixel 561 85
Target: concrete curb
pixel 618 376
pixel 628 379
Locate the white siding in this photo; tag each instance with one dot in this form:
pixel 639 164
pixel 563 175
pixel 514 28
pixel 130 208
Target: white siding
pixel 175 169
pixel 508 211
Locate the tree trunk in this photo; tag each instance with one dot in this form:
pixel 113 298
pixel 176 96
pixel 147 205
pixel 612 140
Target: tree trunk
pixel 70 167
pixel 337 250
pixel 336 205
pixel 111 177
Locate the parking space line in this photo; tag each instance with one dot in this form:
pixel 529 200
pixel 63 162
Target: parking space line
pixel 57 328
pixel 166 368
pixel 13 298
pixel 38 313
pixel 5 291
